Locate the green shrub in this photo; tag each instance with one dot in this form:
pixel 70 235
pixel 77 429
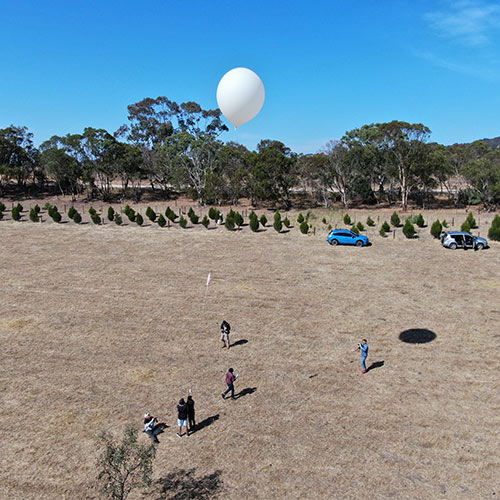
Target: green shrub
pixel 139 220
pixel 494 230
pixel 170 214
pixel 95 218
pixel 183 222
pixel 278 225
pixel 360 226
pixel 347 219
pixel 472 222
pixel 436 229
pixel 409 229
pixel 47 206
pixel 419 220
pixel 382 232
pixel 304 227
pixel 2 207
pixel 252 215
pixel 92 211
pixel 445 223
pixel 323 220
pixel 254 224
pixel 395 220
pixel 205 222
pixel 300 219
pixel 19 207
pixel 111 214
pixel 77 218
pixel 263 220
pixel 131 214
pixel 330 227
pixel 238 219
pixel 71 212
pixel 465 227
pixel 37 209
pixel 286 222
pixel 193 217
pixel 277 216
pixel 370 222
pixel 33 215
pixel 386 227
pixel 161 221
pixel 355 229
pixel 229 222
pixel 213 214
pixel 54 214
pixel 126 209
pixel 150 214
pixel 16 213
pixel 118 219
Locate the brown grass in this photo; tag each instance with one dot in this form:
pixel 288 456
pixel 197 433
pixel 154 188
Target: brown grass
pixel 100 324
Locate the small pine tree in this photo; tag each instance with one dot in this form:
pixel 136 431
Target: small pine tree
pixel 33 215
pixel 360 226
pixel 278 225
pixel 139 220
pixel 205 222
pixel 386 227
pixel 395 220
pixel 323 220
pixel 47 206
pixel 277 216
pixel 193 217
pixel 183 222
pixel 118 219
pixel 229 224
pixel 252 215
pixel 370 222
pixel 382 232
pixel 347 219
pixel 254 224
pixel 54 214
pixel 419 220
pixel 77 218
pixel 92 211
pixel 170 214
pixel 304 227
pixel 465 227
pixel 238 219
pixel 472 222
pixel 494 230
pixel 150 214
pixel 95 218
pixel 263 220
pixel 161 221
pixel 37 209
pixel 19 207
pixel 131 214
pixel 409 229
pixel 111 214
pixel 213 214
pixel 436 229
pixel 355 229
pixel 445 223
pixel 300 219
pixel 71 212
pixel 286 222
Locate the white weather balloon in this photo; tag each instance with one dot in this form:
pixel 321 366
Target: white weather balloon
pixel 240 95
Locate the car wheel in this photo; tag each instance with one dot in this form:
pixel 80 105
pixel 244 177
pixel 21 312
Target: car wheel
pixel 453 246
pixel 359 243
pixel 479 246
pixel 334 242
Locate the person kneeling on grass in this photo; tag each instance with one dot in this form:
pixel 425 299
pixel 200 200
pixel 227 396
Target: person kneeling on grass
pixel 182 418
pixel 151 427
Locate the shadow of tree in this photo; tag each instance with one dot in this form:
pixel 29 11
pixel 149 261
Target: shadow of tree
pixel 182 484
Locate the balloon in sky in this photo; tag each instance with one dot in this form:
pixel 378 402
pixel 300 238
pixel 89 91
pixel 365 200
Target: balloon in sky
pixel 240 95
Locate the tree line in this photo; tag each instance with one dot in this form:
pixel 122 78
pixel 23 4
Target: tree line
pixel 177 147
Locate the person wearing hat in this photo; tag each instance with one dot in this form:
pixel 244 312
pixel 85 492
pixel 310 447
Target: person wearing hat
pixel 151 427
pixel 182 417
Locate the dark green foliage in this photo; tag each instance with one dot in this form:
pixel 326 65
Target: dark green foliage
pixel 19 207
pixel 355 229
pixel 47 206
pixel 131 214
pixel 183 222
pixel 419 220
pixel 95 218
pixel 37 209
pixel 386 227
pixel 445 223
pixel 252 215
pixel 300 219
pixel 92 211
pixel 213 214
pixel 77 218
pixel 360 226
pixel 205 221
pixel 150 214
pixel 263 220
pixel 382 232
pixel 161 221
pixel 286 222
pixel 111 214
pixel 370 222
pixel 193 217
pixel 494 230
pixel 395 220
pixel 329 227
pixel 123 466
pixel 118 219
pixel 1 215
pixel 323 220
pixel 54 214
pixel 472 222
pixel 347 219
pixel 465 227
pixel 126 209
pixel 409 229
pixel 2 207
pixel 436 229
pixel 277 216
pixel 71 212
pixel 229 222
pixel 278 225
pixel 33 215
pixel 238 219
pixel 139 220
pixel 254 223
pixel 170 214
pixel 304 227
pixel 469 196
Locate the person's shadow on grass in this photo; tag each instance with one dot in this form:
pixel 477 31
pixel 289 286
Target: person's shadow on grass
pixel 244 392
pixel 204 423
pixel 239 342
pixel 377 364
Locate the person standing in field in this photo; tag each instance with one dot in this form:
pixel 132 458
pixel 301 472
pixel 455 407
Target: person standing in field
pixel 230 379
pixel 225 330
pixel 363 347
pixel 190 411
pixel 182 412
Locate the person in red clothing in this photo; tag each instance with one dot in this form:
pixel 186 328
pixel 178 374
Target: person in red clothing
pixel 230 378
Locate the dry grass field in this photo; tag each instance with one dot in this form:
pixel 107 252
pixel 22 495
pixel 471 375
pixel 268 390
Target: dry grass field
pixel 102 323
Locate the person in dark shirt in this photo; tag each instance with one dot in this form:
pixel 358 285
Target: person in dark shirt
pixel 182 416
pixel 225 330
pixel 190 413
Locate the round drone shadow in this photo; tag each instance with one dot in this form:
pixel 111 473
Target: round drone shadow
pixel 417 336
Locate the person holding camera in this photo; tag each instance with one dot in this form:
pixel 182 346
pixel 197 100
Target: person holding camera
pixel 363 347
pixel 225 330
pixel 230 379
pixel 152 427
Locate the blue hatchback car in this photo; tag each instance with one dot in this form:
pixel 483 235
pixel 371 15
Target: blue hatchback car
pixel 346 237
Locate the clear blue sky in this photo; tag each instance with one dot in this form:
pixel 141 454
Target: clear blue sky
pixel 327 66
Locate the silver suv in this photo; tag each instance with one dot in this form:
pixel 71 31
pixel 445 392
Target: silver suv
pixel 461 239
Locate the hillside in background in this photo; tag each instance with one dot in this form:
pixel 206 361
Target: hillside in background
pixel 493 143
